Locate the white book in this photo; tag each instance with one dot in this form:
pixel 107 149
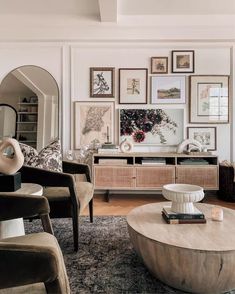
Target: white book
pixel 113 161
pixel 108 150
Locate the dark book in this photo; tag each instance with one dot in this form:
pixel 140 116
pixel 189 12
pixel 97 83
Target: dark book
pixel 173 215
pixel 183 221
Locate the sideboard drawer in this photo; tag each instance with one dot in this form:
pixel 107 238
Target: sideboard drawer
pixel 154 177
pixel 111 177
pixel 204 176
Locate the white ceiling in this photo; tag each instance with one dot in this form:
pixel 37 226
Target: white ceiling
pixel 91 9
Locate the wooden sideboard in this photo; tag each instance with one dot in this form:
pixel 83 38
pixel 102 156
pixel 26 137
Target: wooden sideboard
pixel 133 175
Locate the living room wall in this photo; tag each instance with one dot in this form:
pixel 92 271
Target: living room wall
pixel 69 63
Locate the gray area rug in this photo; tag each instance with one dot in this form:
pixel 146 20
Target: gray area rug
pixel 106 261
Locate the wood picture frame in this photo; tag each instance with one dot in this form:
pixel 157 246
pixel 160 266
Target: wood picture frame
pixel 168 89
pixel 182 61
pixel 133 85
pixel 209 99
pixel 207 136
pixel 93 121
pixel 102 82
pixel 159 65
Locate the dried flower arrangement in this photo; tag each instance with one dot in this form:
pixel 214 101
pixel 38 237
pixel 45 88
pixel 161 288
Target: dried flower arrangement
pixel 138 122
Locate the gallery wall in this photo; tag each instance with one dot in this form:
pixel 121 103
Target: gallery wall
pixel 69 63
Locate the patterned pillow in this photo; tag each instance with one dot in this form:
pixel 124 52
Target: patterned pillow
pixel 49 158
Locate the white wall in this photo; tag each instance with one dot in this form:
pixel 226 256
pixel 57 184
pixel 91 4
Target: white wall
pixel 69 63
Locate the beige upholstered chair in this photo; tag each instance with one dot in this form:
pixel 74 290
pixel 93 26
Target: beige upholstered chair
pixel 67 197
pixel 31 263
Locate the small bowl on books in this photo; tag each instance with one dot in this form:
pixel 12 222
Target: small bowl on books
pixel 183 196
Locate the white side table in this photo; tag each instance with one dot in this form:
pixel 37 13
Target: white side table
pixel 15 227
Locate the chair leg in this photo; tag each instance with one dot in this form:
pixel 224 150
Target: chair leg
pixel 75 229
pixel 91 210
pixel 46 223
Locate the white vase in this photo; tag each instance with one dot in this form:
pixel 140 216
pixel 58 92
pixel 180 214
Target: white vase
pixel 126 146
pixel 10 165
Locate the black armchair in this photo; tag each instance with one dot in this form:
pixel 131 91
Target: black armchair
pixel 67 198
pixel 30 263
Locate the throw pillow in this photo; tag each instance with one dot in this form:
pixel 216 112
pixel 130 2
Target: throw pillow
pixel 49 158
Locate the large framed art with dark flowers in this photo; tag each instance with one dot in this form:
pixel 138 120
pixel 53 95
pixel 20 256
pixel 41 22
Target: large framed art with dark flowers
pixel 152 126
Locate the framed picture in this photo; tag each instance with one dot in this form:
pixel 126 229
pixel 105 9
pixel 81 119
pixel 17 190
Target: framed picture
pixel 159 65
pixel 102 82
pixel 205 135
pixel 93 121
pixel 182 61
pixel 168 89
pixel 133 85
pixel 209 99
pixel 151 126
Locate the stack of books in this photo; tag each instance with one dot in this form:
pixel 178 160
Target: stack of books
pixel 183 218
pixel 194 161
pixel 113 161
pixel 153 161
pixel 108 148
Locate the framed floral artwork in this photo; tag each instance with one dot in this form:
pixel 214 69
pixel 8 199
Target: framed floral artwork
pixel 159 65
pixel 102 82
pixel 151 126
pixel 93 121
pixel 168 89
pixel 182 61
pixel 209 99
pixel 205 135
pixel 133 85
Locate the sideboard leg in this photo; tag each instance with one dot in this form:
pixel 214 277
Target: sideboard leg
pixel 107 196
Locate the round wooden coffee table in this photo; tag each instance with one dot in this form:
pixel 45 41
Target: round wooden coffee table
pixel 197 258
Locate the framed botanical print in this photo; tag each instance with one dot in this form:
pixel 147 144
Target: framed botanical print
pixel 204 135
pixel 93 121
pixel 102 82
pixel 159 65
pixel 209 99
pixel 182 61
pixel 133 85
pixel 168 89
pixel 162 127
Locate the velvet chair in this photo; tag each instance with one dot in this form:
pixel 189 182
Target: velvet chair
pixel 67 197
pixel 30 263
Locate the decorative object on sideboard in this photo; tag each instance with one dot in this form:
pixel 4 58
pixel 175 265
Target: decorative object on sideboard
pixel 126 146
pixel 151 126
pixel 217 213
pixel 194 145
pixel 209 99
pixel 9 165
pixel 183 196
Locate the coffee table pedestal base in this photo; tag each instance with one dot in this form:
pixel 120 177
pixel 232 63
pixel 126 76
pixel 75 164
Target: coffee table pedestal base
pixel 186 269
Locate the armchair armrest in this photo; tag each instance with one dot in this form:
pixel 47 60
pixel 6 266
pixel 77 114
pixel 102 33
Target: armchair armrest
pixel 16 206
pixel 26 206
pixel 46 177
pixel 33 259
pixel 77 168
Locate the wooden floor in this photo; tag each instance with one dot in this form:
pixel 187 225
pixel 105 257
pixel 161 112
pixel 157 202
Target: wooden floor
pixel 121 204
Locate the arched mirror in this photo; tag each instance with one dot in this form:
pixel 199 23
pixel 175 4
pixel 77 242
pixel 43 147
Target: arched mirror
pixel 33 93
pixel 8 119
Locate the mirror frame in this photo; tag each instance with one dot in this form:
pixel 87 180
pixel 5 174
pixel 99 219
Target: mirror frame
pixel 4 104
pixel 59 136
